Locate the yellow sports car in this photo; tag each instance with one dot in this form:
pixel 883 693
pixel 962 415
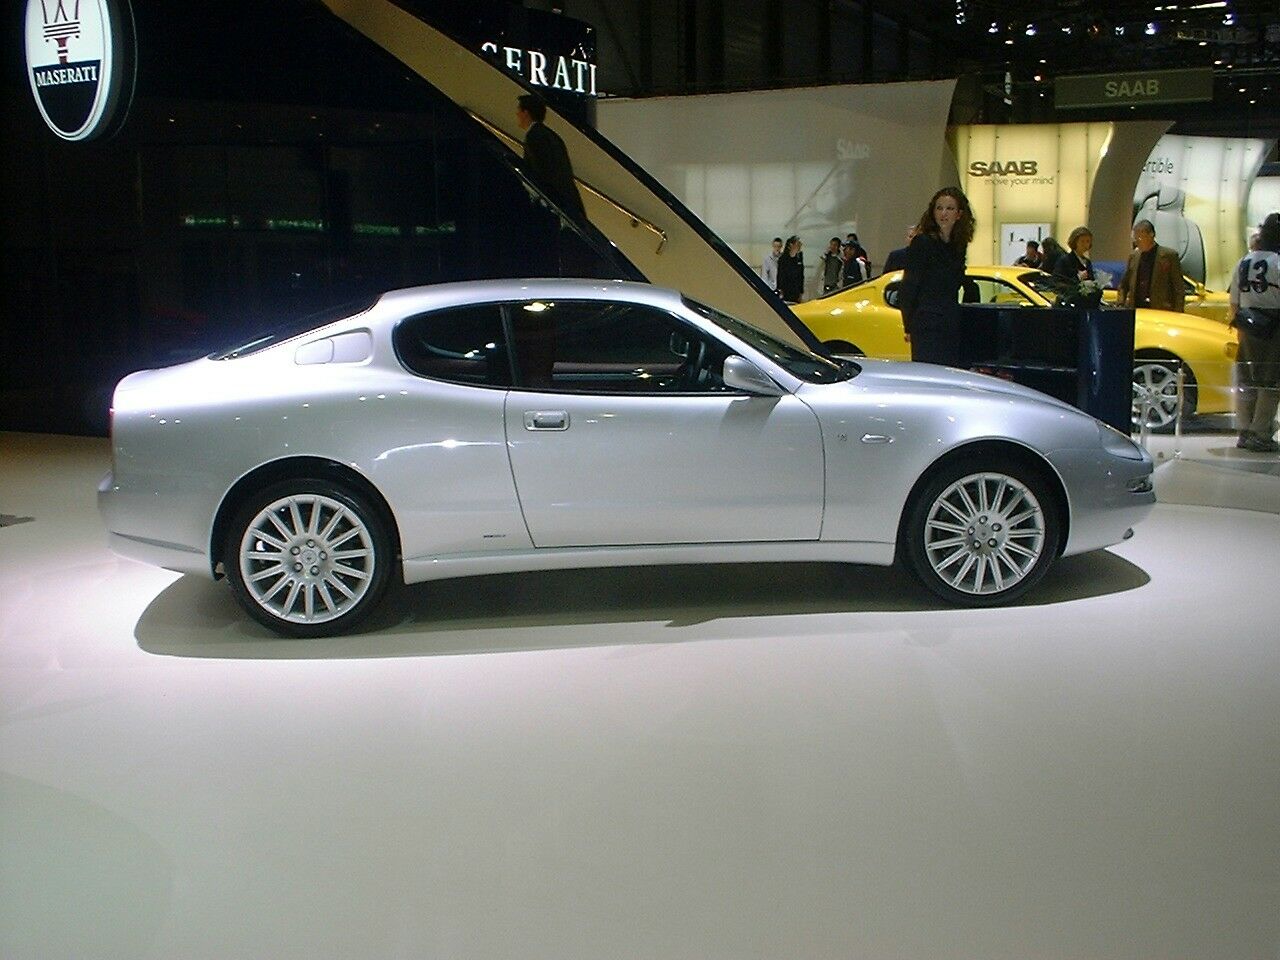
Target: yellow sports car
pixel 1200 300
pixel 864 320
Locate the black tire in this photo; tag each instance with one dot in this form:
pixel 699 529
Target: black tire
pixel 994 561
pixel 1155 388
pixel 330 546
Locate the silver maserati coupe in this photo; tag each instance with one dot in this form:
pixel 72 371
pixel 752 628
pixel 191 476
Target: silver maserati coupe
pixel 478 428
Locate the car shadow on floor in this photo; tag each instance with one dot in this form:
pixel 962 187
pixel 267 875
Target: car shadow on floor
pixel 194 617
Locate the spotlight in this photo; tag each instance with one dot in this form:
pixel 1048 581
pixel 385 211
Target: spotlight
pixel 1151 30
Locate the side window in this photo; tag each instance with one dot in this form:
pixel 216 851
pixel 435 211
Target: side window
pixel 580 346
pixel 991 290
pixel 457 344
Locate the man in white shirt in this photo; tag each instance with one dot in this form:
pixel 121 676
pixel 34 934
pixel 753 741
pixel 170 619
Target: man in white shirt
pixel 769 269
pixel 1255 307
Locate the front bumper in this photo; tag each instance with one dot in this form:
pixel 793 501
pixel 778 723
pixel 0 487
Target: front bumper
pixel 1107 495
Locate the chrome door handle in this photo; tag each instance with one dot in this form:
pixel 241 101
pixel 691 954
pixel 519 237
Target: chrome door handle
pixel 546 420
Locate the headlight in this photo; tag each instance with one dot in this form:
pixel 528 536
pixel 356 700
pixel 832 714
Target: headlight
pixel 1117 444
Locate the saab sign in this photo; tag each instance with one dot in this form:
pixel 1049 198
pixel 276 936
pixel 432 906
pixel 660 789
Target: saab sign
pixel 1137 88
pixel 1011 168
pixel 80 64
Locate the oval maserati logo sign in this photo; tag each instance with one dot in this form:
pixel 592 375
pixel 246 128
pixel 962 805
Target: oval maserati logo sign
pixel 78 63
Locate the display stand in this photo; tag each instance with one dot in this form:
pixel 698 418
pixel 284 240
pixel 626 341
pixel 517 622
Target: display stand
pixel 1081 356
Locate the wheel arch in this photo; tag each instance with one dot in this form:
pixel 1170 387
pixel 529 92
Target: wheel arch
pixel 989 450
pixel 1162 353
pixel 844 346
pixel 293 468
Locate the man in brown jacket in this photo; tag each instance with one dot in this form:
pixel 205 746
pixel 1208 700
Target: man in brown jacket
pixel 1153 277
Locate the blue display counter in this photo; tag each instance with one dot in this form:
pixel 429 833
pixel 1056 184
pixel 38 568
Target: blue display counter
pixel 1081 356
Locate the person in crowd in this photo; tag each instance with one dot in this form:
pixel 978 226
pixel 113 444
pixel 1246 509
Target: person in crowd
pixel 933 277
pixel 830 266
pixel 546 159
pixel 1075 264
pixel 1256 291
pixel 1031 258
pixel 1050 253
pixel 859 250
pixel 897 259
pixel 1153 276
pixel 853 268
pixel 769 269
pixel 791 271
pixel 1254 240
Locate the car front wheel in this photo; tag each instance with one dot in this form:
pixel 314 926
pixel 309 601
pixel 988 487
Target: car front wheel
pixel 1155 394
pixel 309 558
pixel 982 534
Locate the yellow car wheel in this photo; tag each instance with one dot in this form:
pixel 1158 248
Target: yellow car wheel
pixel 1155 391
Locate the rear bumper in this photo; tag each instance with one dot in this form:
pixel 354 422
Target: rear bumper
pixel 178 557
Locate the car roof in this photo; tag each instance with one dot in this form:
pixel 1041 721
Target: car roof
pixel 543 288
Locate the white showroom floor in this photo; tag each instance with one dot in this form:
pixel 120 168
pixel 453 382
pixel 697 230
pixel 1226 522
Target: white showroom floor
pixel 727 762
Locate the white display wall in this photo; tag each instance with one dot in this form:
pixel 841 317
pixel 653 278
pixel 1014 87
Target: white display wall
pixel 817 162
pixel 1195 190
pixel 1264 198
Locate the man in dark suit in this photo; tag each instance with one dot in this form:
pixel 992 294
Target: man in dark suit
pixel 897 259
pixel 1153 277
pixel 546 159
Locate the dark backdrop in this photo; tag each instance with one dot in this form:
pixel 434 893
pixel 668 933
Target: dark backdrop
pixel 273 162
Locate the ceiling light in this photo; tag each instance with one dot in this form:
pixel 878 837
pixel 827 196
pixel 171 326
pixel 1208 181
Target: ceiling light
pixel 1031 29
pixel 1151 30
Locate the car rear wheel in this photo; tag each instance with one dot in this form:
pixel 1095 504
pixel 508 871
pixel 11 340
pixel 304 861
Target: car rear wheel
pixel 309 558
pixel 1155 393
pixel 982 534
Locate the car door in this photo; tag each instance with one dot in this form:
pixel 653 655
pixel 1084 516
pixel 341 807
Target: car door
pixel 620 432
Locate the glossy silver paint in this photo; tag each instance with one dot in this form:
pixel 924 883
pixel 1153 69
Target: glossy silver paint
pixel 481 479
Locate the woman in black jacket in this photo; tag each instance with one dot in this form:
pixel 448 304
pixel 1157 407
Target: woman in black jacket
pixel 1075 264
pixel 791 271
pixel 934 272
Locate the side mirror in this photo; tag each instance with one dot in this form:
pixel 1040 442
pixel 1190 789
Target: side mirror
pixel 741 374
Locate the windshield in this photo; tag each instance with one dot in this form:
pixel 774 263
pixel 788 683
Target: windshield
pixel 1047 285
pixel 803 364
pixel 295 327
pixel 842 290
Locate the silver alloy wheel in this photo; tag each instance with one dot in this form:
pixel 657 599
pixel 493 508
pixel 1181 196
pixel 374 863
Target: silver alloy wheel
pixel 984 533
pixel 1155 394
pixel 307 558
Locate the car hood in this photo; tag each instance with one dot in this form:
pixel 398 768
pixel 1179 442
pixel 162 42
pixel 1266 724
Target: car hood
pixel 893 376
pixel 1183 321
